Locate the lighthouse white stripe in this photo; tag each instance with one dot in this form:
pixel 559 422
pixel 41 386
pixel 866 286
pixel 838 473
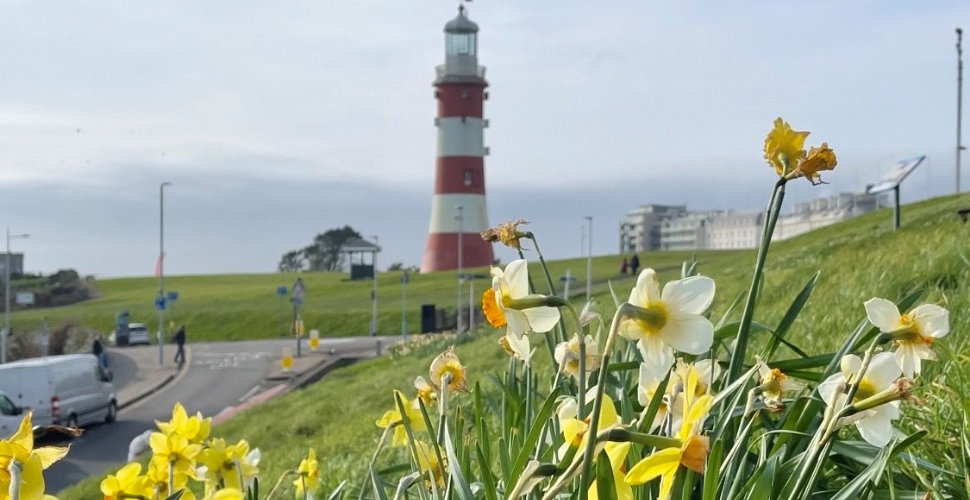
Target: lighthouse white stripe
pixel 443 213
pixel 459 136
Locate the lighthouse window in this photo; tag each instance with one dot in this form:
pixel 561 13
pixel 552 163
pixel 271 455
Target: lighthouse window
pixel 468 177
pixel 460 44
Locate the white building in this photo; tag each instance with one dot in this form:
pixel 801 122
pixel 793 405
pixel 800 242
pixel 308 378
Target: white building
pixel 735 230
pixel 640 230
pixel 687 231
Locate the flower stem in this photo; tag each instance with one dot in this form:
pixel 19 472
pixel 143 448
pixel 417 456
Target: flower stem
pixel 279 482
pixel 552 288
pixel 171 476
pixel 373 459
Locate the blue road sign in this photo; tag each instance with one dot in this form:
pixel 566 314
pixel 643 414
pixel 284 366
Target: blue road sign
pixel 281 290
pixel 173 296
pixel 160 303
pixel 567 278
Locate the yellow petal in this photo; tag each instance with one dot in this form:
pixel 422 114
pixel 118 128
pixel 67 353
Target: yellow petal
pixel 32 480
pixel 658 464
pixel 25 434
pixel 572 429
pixel 50 454
pixel 667 483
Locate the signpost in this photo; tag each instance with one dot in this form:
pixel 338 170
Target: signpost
pixel 281 292
pixel 893 179
pixel 25 298
pixel 299 291
pixel 404 305
pixel 567 279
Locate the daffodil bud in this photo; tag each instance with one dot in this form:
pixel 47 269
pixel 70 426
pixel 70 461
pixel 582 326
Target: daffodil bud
pixel 627 436
pixel 900 389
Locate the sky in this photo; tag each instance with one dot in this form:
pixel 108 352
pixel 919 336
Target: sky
pixel 275 121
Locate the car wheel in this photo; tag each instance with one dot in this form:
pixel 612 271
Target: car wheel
pixel 112 413
pixel 72 421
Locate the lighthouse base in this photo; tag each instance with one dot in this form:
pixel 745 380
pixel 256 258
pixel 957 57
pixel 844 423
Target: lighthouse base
pixel 441 253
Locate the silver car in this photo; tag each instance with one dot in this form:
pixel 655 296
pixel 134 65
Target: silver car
pixel 138 334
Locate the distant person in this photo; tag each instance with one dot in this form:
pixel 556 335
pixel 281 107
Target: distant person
pixel 623 268
pixel 98 349
pixel 634 264
pixel 179 339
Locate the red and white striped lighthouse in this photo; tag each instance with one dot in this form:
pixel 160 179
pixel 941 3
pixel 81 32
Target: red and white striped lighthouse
pixel 458 214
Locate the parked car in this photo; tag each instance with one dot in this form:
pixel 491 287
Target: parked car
pixel 138 334
pixel 10 416
pixel 71 390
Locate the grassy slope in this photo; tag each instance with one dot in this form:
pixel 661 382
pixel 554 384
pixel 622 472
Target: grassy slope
pixel 858 260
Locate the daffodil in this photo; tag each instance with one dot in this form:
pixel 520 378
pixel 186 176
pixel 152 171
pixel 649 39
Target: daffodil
pixel 226 494
pixel 819 159
pixel 393 419
pixel 784 147
pixel 517 347
pixel 309 475
pixel 426 393
pixel 576 431
pixel 774 384
pixel 19 448
pixel 875 425
pixel 707 372
pixel 647 386
pixel 447 363
pixel 195 428
pixel 175 450
pixel 510 303
pixel 693 449
pixel 617 455
pixel 227 465
pixel 125 483
pixel 157 477
pixel 428 463
pixel 506 233
pixel 671 318
pixel 567 355
pixel 914 332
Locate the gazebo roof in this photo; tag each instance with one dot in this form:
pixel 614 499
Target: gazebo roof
pixel 359 245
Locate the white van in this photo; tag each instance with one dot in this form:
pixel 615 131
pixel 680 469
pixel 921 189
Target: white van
pixel 10 416
pixel 69 390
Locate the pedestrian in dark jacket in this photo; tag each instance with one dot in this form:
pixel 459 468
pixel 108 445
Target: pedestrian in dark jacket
pixel 179 339
pixel 98 349
pixel 634 264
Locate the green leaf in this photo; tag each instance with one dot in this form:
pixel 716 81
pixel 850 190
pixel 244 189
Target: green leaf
pixel 333 495
pixel 605 485
pixel 378 487
pixel 530 442
pixel 504 459
pixel 486 473
pixel 654 405
pixel 464 491
pixel 713 466
pixel 623 366
pixel 731 329
pixel 788 365
pixel 765 480
pixel 727 313
pixel 855 488
pixel 176 495
pixel 789 319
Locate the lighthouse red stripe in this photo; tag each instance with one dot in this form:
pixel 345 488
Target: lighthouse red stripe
pixel 460 100
pixel 441 253
pixel 451 171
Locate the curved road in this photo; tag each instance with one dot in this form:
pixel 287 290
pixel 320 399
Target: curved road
pixel 220 375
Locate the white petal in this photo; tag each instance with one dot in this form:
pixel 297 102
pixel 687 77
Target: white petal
pixel 906 359
pixel 829 388
pixel 647 289
pixel 877 429
pixel 890 409
pixel 883 314
pixel 933 320
pixel 850 365
pixel 518 322
pixel 560 353
pixel 883 370
pixel 923 351
pixel 567 409
pixel 656 354
pixel 517 275
pixel 520 346
pixel 689 333
pixel 631 330
pixel 763 370
pixel 690 295
pixel 542 319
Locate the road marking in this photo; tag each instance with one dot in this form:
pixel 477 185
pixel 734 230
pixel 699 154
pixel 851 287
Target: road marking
pixel 249 394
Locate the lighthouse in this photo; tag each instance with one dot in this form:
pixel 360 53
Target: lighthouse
pixel 458 214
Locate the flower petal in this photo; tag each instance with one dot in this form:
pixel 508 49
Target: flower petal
pixel 829 388
pixel 883 370
pixel 688 333
pixel 907 360
pixel 647 289
pixel 656 465
pixel 542 319
pixel 883 314
pixel 850 365
pixel 517 276
pixel 518 323
pixel 50 454
pixel 656 354
pixel 877 429
pixel 691 295
pixel 933 320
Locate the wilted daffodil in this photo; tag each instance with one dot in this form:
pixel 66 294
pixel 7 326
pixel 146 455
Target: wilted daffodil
pixel 506 233
pixel 567 355
pixel 693 449
pixel 426 393
pixel 510 303
pixel 392 419
pixel 195 428
pixel 447 363
pixel 227 465
pixel 126 483
pixel 176 450
pixel 785 152
pixel 914 332
pixel 19 448
pixel 517 347
pixel 309 475
pixel 876 425
pixel 774 384
pixel 670 318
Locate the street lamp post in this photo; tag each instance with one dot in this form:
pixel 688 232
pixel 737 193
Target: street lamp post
pixel 589 260
pixel 373 293
pixel 461 282
pixel 161 270
pixel 6 296
pixel 960 146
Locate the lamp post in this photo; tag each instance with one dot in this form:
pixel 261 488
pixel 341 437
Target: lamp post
pixel 589 260
pixel 960 146
pixel 373 293
pixel 460 219
pixel 161 270
pixel 6 296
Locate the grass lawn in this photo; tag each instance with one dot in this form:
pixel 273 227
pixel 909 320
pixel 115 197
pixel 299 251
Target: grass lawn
pixel 858 260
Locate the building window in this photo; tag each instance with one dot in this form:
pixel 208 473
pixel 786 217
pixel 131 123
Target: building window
pixel 468 177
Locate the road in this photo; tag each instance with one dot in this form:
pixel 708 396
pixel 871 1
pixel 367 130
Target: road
pixel 220 375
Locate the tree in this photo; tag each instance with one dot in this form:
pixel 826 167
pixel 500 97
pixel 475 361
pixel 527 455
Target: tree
pixel 397 266
pixel 323 254
pixel 292 262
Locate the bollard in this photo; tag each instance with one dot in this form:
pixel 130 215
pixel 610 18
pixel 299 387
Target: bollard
pixel 286 362
pixel 378 347
pixel 314 340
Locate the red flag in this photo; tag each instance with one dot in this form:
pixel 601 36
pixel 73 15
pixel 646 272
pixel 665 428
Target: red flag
pixel 158 265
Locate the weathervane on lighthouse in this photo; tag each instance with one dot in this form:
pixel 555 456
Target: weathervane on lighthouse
pixel 460 167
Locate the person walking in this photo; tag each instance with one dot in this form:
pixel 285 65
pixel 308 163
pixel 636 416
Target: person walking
pixel 634 264
pixel 623 267
pixel 180 342
pixel 98 349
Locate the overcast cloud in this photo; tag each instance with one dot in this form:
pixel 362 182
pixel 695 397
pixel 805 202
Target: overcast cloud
pixel 276 121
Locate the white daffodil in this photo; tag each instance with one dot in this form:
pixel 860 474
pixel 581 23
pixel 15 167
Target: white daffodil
pixel 671 318
pixel 916 331
pixel 774 384
pixel 510 303
pixel 876 427
pixel 517 347
pixel 707 372
pixel 567 355
pixel 647 387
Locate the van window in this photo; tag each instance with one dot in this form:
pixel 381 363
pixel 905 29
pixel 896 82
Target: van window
pixel 7 407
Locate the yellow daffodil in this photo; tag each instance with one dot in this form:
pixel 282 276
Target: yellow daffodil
pixel 693 449
pixel 567 355
pixel 914 332
pixel 671 318
pixel 125 483
pixel 819 159
pixel 226 494
pixel 309 475
pixel 156 480
pixel 392 419
pixel 876 426
pixel 175 450
pixel 428 463
pixel 514 306
pixel 19 448
pixel 447 363
pixel 506 233
pixel 707 372
pixel 195 428
pixel 426 393
pixel 617 455
pixel 774 384
pixel 784 147
pixel 517 347
pixel 576 432
pixel 227 465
